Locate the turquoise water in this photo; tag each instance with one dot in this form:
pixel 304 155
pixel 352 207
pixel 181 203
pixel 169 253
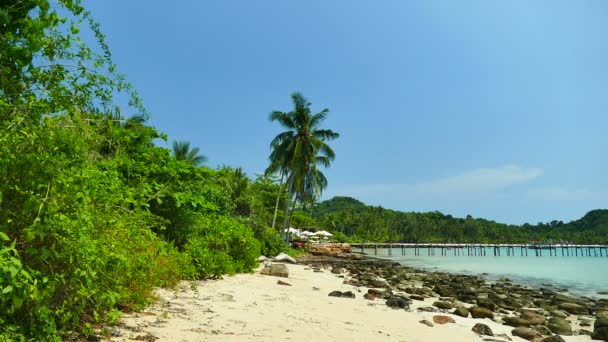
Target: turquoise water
pixel 582 275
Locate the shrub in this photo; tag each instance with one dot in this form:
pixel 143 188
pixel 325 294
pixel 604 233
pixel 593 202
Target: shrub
pixel 272 243
pixel 220 245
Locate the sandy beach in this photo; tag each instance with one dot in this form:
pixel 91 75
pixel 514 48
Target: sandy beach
pixel 254 307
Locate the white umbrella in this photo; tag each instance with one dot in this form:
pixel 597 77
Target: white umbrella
pixel 324 233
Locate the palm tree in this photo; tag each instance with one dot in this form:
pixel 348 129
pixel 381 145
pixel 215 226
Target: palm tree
pixel 182 151
pixel 298 151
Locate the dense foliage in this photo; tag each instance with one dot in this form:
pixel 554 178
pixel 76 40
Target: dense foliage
pixel 354 221
pixel 93 214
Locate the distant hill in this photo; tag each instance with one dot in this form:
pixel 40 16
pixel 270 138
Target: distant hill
pixel 357 221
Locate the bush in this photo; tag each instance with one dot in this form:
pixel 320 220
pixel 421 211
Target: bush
pixel 221 245
pixel 272 243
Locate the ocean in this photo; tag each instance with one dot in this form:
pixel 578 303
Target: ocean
pixel 582 275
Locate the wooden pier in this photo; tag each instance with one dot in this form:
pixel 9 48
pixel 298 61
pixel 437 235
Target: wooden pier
pixel 479 249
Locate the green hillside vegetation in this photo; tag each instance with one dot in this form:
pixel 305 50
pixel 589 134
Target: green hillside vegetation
pixel 354 221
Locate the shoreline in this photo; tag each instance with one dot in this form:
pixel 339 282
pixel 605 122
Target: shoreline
pixel 591 292
pixel 254 307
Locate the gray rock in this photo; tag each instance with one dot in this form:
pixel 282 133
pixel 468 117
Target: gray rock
pixel 482 329
pixel 525 333
pixel 559 326
pixel 348 294
pixel 479 312
pixel 276 270
pixel 335 294
pixel 461 311
pixel 443 305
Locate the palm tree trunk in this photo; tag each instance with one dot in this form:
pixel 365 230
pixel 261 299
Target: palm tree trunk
pixel 293 206
pixel 276 206
pixel 283 233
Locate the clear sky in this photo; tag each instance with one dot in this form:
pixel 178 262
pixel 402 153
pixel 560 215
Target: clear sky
pixel 497 109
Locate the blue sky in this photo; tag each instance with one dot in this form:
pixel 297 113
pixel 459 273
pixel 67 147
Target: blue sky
pixel 493 109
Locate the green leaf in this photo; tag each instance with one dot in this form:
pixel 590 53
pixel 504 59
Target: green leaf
pixel 7 289
pixel 4 237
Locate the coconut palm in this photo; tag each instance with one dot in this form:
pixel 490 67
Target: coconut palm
pixel 298 151
pixel 182 151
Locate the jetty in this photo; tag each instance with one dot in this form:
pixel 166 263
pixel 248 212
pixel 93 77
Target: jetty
pixel 480 249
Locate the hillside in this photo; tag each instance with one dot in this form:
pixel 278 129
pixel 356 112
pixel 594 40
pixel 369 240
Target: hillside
pixel 359 222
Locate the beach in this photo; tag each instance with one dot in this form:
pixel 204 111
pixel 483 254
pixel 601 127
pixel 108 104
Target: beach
pixel 256 307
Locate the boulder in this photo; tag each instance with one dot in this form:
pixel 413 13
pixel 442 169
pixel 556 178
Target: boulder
pixel 516 321
pixel 543 330
pixel 482 329
pixel 444 291
pixel 443 305
pixel 559 326
pixel 601 322
pixel 554 338
pixel 276 270
pixel 335 294
pixel 525 333
pixel 441 319
pixel 479 312
pixel 461 311
pixel 417 297
pixel 348 294
pixel 574 309
pixel 397 303
pixel 486 303
pixel 559 313
pixel 600 334
pixel 534 318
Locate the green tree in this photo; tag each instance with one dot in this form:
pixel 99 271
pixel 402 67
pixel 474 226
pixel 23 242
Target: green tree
pixel 302 147
pixel 182 151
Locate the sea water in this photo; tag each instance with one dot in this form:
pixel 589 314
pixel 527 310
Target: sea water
pixel 580 275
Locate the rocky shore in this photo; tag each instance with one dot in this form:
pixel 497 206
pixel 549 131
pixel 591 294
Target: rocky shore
pixel 536 314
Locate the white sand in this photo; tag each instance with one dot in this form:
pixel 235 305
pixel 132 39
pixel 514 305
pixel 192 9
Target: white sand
pixel 253 307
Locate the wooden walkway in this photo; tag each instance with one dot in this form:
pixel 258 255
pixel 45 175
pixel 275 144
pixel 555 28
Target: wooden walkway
pixel 478 249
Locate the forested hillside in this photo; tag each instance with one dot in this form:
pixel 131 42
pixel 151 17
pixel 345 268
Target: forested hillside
pixel 358 222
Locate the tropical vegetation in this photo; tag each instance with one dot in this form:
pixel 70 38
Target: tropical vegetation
pixel 352 220
pixel 94 211
pixel 299 151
